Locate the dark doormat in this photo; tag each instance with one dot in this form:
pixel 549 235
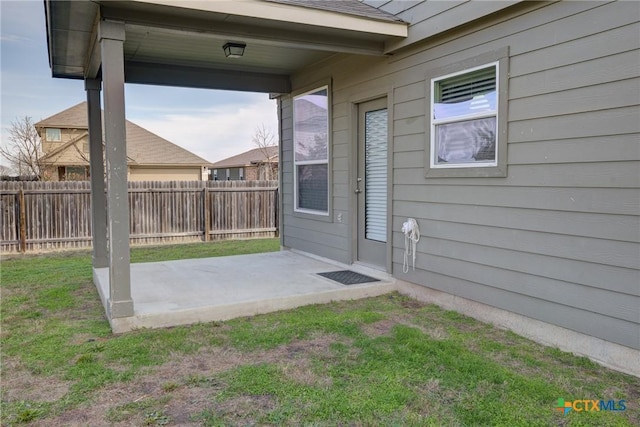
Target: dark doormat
pixel 348 277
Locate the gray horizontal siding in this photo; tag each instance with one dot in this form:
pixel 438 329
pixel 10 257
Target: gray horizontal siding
pixel 431 17
pixel 619 148
pixel 614 201
pixel 551 267
pixel 604 96
pixel 605 174
pixel 595 45
pixel 558 238
pixel 590 323
pixel 597 251
pixel 592 299
pixel 615 121
pixel 610 68
pixel 588 149
pixel 310 246
pixel 623 228
pixel 580 22
pixel 320 237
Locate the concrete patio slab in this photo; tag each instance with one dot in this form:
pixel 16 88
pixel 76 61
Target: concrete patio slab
pixel 182 292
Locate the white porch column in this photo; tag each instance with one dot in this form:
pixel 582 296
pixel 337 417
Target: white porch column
pixel 111 35
pixel 96 153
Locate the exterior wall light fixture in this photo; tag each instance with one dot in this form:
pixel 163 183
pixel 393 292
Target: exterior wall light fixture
pixel 234 50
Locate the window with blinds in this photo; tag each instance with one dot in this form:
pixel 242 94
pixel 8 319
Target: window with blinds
pixel 464 118
pixel 311 151
pixel 465 86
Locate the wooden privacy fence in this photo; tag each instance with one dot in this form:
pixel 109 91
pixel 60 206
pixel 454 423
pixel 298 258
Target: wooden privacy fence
pixel 57 215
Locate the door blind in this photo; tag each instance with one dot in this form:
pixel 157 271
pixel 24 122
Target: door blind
pixel 376 175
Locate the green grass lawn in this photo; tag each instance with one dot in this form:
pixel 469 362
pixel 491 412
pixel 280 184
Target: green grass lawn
pixel 380 361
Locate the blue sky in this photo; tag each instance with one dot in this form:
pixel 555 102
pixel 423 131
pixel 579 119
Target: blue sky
pixel 212 124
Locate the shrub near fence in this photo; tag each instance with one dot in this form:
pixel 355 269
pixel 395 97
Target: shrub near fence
pixel 57 215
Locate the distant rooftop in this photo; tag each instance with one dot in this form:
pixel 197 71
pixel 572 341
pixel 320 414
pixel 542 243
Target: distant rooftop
pixel 143 147
pixel 248 158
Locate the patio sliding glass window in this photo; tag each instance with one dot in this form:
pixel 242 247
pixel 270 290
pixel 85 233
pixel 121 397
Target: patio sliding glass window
pixel 311 151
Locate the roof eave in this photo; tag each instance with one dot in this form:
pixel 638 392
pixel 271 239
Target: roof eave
pixel 292 14
pixel 235 165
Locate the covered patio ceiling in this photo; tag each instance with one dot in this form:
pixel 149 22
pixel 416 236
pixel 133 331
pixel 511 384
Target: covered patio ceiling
pixel 179 42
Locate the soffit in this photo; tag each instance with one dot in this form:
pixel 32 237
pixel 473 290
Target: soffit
pixel 69 28
pixel 191 34
pixel 201 50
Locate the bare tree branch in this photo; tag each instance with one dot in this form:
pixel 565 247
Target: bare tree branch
pixel 264 139
pixel 23 150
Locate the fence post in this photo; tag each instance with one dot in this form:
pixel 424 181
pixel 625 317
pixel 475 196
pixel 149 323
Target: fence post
pixel 276 204
pixel 206 213
pixel 23 220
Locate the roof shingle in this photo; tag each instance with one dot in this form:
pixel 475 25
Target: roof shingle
pixel 348 7
pixel 143 147
pixel 256 155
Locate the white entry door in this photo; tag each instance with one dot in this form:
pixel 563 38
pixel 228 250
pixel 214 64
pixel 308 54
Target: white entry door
pixel 371 182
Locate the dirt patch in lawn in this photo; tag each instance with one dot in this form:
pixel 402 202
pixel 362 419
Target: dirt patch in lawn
pixel 385 326
pixel 197 388
pixel 20 384
pixel 244 410
pixel 189 384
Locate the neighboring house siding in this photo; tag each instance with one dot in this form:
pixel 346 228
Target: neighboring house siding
pixel 251 173
pixel 249 166
pixel 160 159
pixel 72 155
pixel 165 174
pixel 557 239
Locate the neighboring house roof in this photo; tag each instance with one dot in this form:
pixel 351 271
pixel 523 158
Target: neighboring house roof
pixel 143 147
pixel 248 158
pixel 348 7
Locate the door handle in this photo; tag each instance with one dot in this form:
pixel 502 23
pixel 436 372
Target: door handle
pixel 358 181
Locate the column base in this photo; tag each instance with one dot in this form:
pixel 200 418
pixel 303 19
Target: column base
pixel 117 309
pixel 100 262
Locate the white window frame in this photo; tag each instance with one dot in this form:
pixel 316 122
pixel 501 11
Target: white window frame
pixel 58 139
pixel 498 169
pixel 326 161
pixel 463 118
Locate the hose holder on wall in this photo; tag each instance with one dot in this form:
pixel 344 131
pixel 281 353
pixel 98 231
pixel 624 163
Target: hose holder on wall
pixel 411 238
